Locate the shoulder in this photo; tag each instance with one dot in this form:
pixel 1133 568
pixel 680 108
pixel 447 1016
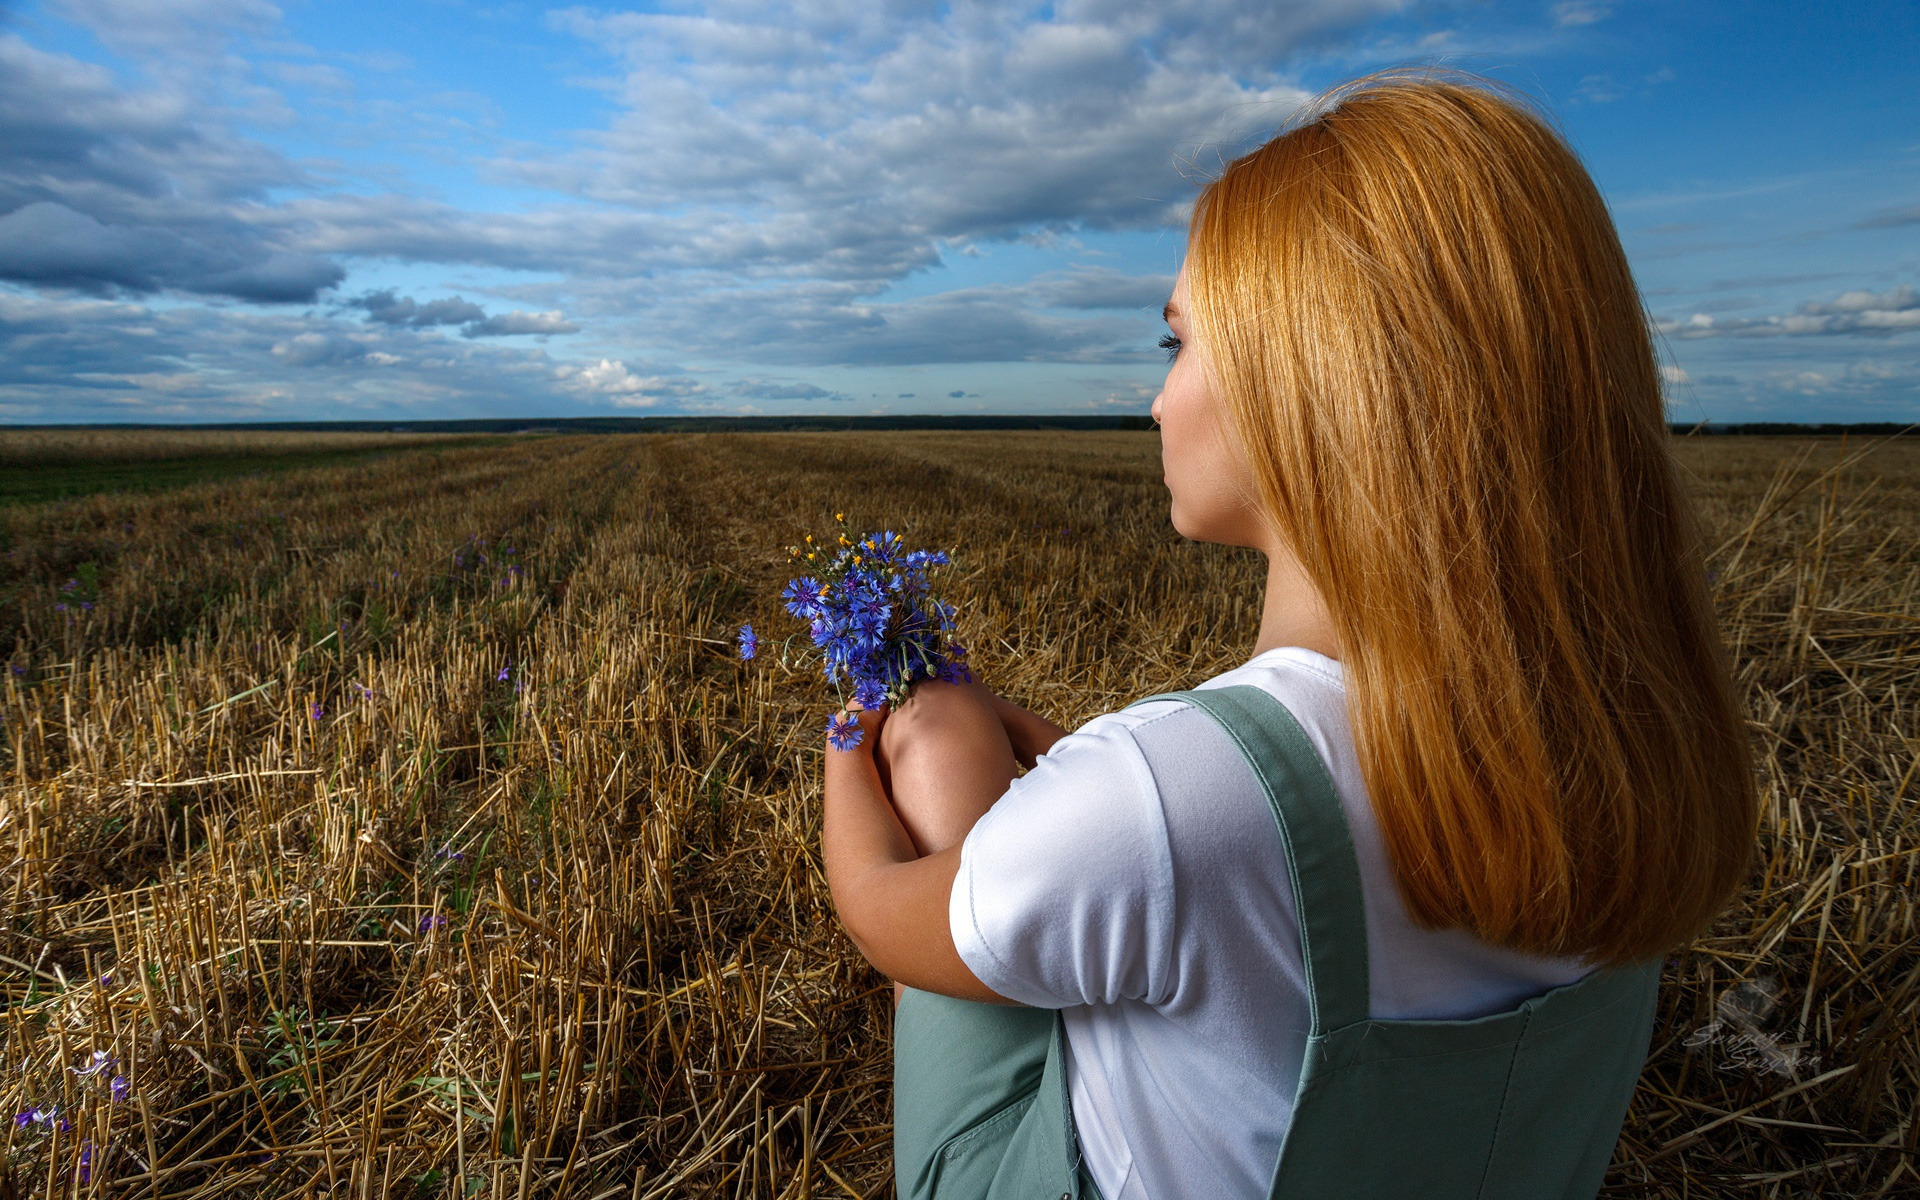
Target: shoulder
pixel 1127 748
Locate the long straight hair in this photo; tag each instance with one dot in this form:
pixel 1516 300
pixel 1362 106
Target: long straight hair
pixel 1418 313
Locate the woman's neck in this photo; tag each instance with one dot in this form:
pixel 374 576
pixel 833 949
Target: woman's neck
pixel 1293 613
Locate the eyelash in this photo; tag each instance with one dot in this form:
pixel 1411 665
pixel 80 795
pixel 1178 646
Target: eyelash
pixel 1171 345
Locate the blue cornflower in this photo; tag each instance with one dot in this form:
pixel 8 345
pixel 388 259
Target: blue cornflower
pixel 843 732
pixel 749 644
pixel 870 692
pixel 803 597
pixel 869 608
pixel 872 619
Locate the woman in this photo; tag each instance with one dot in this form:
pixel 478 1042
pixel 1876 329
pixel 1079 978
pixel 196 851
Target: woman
pixel 1374 913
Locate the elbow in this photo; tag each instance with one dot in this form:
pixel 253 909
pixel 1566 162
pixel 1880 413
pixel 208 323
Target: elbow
pixel 858 901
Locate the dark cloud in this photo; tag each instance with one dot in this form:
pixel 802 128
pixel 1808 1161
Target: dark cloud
pixel 518 322
pixel 389 309
pixel 105 189
pixel 51 244
pixel 786 389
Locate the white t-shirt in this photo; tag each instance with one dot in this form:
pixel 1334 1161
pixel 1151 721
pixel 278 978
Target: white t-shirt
pixel 1135 879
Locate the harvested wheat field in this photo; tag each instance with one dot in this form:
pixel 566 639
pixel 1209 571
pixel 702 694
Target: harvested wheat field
pixel 409 827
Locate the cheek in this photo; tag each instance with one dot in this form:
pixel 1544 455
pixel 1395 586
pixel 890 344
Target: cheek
pixel 1202 475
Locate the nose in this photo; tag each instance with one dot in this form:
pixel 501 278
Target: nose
pixel 1155 411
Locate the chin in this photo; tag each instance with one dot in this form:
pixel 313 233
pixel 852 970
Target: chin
pixel 1181 525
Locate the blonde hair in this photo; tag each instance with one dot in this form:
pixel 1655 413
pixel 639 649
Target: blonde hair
pixel 1418 313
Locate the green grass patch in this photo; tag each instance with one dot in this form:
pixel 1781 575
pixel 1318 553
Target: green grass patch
pixel 35 483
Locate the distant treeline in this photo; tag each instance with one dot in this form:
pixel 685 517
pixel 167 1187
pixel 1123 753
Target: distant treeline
pixel 796 423
pixel 827 423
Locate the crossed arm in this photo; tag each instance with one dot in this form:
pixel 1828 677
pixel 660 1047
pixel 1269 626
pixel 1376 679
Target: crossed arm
pixel 899 805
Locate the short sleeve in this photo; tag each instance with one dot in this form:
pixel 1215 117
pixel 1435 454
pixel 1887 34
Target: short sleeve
pixel 1064 894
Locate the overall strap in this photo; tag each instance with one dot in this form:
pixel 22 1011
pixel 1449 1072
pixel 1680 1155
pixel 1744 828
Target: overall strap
pixel 1319 848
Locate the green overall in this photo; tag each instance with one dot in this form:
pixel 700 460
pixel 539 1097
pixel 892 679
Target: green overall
pixel 1521 1105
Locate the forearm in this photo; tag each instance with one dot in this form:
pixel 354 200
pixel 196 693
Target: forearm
pixel 860 832
pixel 892 903
pixel 1030 734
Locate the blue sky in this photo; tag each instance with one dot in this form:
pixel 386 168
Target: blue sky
pixel 237 210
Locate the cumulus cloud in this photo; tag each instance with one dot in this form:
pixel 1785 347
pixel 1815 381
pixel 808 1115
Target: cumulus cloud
pixel 319 350
pixel 861 125
pixel 1858 313
pixel 612 381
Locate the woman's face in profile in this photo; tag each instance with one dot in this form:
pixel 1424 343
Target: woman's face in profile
pixel 1201 464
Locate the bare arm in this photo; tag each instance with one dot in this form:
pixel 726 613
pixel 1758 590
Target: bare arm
pixel 891 901
pixel 1031 734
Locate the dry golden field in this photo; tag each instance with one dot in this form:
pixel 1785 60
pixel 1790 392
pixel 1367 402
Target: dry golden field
pixel 408 827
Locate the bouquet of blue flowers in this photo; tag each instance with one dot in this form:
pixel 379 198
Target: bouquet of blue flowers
pixel 873 620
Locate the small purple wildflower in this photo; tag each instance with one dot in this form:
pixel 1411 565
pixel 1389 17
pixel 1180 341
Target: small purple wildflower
pixel 59 608
pixel 749 644
pixel 22 1119
pixel 99 1061
pixel 86 1161
pixel 86 606
pixel 69 585
pixel 118 1087
pixel 316 712
pixel 503 675
pixel 843 732
pixel 431 922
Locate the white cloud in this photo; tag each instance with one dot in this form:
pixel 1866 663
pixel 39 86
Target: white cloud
pixel 612 381
pixel 1858 313
pixel 1581 12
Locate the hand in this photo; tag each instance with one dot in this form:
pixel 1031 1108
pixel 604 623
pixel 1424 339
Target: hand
pixel 1030 734
pixel 870 722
